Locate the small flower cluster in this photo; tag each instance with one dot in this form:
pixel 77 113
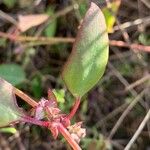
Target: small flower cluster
pixel 49 109
pixel 77 132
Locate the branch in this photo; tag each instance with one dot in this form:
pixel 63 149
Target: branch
pixel 25 97
pixel 125 113
pixel 55 40
pixel 132 46
pixel 68 137
pixel 46 40
pixel 138 131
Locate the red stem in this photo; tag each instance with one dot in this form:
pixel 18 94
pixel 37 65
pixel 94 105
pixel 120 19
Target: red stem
pixel 68 137
pixel 74 109
pixel 35 121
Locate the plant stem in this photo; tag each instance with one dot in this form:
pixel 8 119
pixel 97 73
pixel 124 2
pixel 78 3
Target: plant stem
pixel 55 40
pixel 64 132
pixel 25 97
pixel 35 39
pixel 55 16
pixel 68 137
pixel 138 131
pixel 35 121
pixel 135 46
pixel 7 17
pixel 125 113
pixel 74 109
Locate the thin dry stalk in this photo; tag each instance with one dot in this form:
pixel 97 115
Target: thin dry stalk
pixel 3 143
pixel 138 82
pixel 50 41
pixel 138 131
pixel 58 14
pixel 123 81
pixel 5 16
pixel 125 113
pixel 133 23
pixel 111 115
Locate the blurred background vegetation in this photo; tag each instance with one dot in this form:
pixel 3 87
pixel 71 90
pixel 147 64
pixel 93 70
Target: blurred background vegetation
pixel 34 65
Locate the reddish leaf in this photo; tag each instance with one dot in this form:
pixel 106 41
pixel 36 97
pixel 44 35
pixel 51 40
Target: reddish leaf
pixel 29 21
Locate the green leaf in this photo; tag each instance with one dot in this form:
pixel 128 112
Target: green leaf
pixel 3 42
pixel 126 69
pixel 9 3
pixel 50 30
pixel 36 87
pixel 89 56
pixel 144 38
pixel 9 111
pixel 83 8
pixel 8 130
pixel 109 16
pixel 60 94
pixel 13 73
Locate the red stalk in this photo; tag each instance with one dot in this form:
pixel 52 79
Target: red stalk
pixel 74 109
pixel 68 137
pixel 35 121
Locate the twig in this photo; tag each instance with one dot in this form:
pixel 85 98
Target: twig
pixel 123 81
pixel 146 3
pixel 138 131
pixel 147 106
pixel 8 18
pixel 111 115
pixel 25 97
pixel 49 41
pixel 138 82
pixel 126 35
pixel 35 121
pixel 33 39
pixel 128 109
pixel 123 31
pixel 132 23
pixel 117 145
pixel 58 14
pixel 132 46
pixel 4 143
pixel 19 141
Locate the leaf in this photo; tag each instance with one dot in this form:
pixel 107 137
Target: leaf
pixel 29 21
pixel 89 56
pixel 36 87
pixel 26 3
pixel 109 16
pixel 13 73
pixel 8 130
pixel 83 7
pixel 9 3
pixel 3 42
pixel 50 30
pixel 60 94
pixel 144 39
pixel 9 111
pixel 126 69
